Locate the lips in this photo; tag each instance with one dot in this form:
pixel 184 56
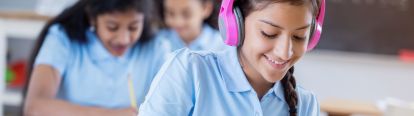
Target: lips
pixel 277 64
pixel 119 48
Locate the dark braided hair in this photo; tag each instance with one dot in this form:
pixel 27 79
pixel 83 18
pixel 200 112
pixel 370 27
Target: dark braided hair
pixel 291 97
pixel 288 81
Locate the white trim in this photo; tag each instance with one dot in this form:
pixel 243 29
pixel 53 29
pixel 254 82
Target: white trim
pixel 2 65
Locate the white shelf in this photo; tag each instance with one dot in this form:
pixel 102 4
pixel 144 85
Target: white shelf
pixel 22 29
pixel 12 98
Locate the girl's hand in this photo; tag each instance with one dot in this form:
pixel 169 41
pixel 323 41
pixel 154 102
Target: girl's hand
pixel 126 112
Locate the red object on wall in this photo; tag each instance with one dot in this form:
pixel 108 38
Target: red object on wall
pixel 19 69
pixel 407 55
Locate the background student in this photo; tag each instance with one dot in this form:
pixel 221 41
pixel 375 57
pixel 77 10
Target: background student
pixel 189 23
pixel 86 57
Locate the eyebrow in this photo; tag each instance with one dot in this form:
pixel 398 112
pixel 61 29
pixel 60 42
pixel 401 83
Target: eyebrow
pixel 277 26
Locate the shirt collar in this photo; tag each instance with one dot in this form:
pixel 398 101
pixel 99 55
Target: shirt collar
pixel 98 52
pixel 232 72
pixel 234 77
pixel 277 90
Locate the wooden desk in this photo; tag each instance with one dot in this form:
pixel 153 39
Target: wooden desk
pixel 338 107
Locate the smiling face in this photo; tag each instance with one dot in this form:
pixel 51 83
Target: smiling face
pixel 118 31
pixel 276 38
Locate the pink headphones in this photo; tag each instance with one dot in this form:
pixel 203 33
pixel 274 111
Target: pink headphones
pixel 231 24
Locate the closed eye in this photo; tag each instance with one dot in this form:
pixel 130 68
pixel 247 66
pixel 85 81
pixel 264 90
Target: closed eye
pixel 268 35
pixel 133 28
pixel 298 38
pixel 113 28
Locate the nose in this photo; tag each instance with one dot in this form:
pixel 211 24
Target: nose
pixel 123 38
pixel 283 47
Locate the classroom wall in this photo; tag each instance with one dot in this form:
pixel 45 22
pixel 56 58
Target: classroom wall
pixel 18 4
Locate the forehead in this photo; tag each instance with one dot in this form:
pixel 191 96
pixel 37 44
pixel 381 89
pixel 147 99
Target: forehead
pixel 180 4
pixel 285 14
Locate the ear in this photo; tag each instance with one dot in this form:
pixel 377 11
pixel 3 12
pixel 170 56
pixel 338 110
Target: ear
pixel 207 9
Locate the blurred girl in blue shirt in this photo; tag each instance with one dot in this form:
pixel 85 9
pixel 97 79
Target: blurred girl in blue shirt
pixel 189 23
pixel 254 79
pixel 87 56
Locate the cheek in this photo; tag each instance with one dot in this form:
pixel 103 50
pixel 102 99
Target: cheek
pixel 256 43
pixel 136 35
pixel 198 18
pixel 168 21
pixel 105 35
pixel 195 18
pixel 299 49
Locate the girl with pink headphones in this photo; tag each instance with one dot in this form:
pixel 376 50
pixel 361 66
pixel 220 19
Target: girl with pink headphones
pixel 256 76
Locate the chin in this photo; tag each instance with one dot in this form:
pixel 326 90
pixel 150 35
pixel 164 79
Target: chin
pixel 274 77
pixel 117 53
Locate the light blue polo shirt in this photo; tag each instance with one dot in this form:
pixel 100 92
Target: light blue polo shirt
pixel 213 84
pixel 91 76
pixel 209 39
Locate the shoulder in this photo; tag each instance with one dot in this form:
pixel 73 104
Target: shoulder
pixel 56 34
pixel 56 29
pixel 189 56
pixel 308 102
pixel 185 62
pixel 305 95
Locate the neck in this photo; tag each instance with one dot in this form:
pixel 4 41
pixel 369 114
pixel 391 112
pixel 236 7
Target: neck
pixel 191 36
pixel 257 81
pixel 188 40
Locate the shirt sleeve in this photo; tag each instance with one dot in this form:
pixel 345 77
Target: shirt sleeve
pixel 55 49
pixel 172 91
pixel 314 109
pixel 308 103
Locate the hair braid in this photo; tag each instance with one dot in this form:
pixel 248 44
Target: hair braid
pixel 289 89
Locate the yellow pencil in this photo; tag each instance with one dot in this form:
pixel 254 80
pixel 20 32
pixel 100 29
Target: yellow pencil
pixel 131 92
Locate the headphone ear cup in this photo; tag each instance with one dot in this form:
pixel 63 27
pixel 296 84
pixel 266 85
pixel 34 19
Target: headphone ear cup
pixel 312 31
pixel 317 30
pixel 315 34
pixel 222 28
pixel 240 25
